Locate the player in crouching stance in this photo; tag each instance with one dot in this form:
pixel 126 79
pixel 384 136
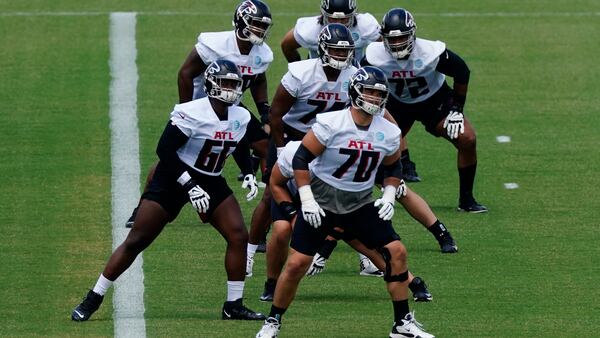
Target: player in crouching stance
pixel 347 147
pixel 192 151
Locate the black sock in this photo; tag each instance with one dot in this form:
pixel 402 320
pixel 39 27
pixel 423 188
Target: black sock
pixel 467 179
pixel 271 281
pixel 405 156
pixel 327 248
pixel 438 229
pixel 276 312
pixel 255 163
pixel 400 310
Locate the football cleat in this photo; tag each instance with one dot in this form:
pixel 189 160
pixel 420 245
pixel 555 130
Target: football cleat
pixel 249 266
pixel 87 307
pixel 235 310
pixel 419 290
pixel 409 327
pixel 447 244
pixel 131 219
pixel 409 172
pixel 270 328
pixel 262 246
pixel 470 205
pixel 269 291
pixel 367 268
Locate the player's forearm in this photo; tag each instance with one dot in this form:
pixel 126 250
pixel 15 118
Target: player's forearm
pixel 276 123
pixel 170 141
pixel 241 155
pixel 185 84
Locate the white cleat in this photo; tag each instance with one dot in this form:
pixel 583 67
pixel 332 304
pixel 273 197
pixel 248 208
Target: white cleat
pixel 270 329
pixel 367 268
pixel 409 327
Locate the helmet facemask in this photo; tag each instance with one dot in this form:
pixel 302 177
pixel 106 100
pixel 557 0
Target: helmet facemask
pixel 338 56
pixel 368 101
pixel 342 17
pixel 226 88
pixel 256 30
pixel 400 44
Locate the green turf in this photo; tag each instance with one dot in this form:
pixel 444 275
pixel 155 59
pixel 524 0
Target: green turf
pixel 529 268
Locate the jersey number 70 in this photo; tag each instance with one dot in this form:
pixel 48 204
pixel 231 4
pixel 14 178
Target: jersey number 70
pixel 367 163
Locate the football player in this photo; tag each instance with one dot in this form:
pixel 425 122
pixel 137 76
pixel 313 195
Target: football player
pixel 417 70
pixel 346 148
pixel 192 150
pixel 245 46
pixel 284 207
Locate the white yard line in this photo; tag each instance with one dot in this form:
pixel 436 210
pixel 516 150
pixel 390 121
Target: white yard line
pixel 297 14
pixel 128 298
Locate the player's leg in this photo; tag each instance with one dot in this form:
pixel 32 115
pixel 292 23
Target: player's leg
pixel 131 218
pixel 149 222
pixel 259 223
pixel 227 219
pixel 466 144
pixel 418 209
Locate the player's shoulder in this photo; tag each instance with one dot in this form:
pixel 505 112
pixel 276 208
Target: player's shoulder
pixel 333 119
pixel 239 113
pixel 308 28
pixel 214 38
pixel 303 68
pixel 215 45
pixel 377 54
pixel 263 53
pixel 366 21
pixel 199 111
pixel 389 130
pixel 428 49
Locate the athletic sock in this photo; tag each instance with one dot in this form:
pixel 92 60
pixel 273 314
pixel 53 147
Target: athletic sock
pixel 235 290
pixel 327 248
pixel 438 229
pixel 251 250
pixel 102 285
pixel 400 310
pixel 467 178
pixel 276 312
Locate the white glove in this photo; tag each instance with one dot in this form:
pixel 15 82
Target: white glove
pixel 250 183
pixel 386 203
pixel 198 197
pixel 311 211
pixel 401 190
pixel 317 266
pixel 454 124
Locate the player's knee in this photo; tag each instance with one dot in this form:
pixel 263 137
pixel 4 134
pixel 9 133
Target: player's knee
pixel 468 141
pixel 136 243
pixel 237 235
pixel 296 266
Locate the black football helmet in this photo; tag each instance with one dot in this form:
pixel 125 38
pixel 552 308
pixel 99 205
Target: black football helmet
pixel 223 81
pixel 339 9
pixel 372 78
pixel 336 46
pixel 252 21
pixel 399 32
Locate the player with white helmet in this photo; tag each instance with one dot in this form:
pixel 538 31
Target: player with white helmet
pixel 198 138
pixel 417 70
pixel 345 148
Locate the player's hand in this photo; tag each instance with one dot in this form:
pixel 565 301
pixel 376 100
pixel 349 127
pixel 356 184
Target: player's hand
pixel 311 211
pixel 454 123
pixel 250 183
pixel 199 198
pixel 317 266
pixel 401 190
pixel 386 203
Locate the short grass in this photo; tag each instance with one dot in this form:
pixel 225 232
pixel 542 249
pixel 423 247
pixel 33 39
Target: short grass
pixel 529 268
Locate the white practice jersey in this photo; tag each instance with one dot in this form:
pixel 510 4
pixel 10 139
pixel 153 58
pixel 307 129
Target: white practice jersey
pixel 414 79
pixel 210 139
pixel 307 82
pixel 352 155
pixel 307 29
pixel 284 161
pixel 223 45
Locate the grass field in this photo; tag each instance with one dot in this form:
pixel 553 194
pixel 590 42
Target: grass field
pixel 528 268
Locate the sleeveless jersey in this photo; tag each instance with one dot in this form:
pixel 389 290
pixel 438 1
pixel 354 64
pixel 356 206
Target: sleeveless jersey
pixel 210 139
pixel 352 155
pixel 414 79
pixel 307 82
pixel 223 45
pixel 307 29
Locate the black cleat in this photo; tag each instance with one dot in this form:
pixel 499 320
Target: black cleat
pixel 471 205
pixel 447 243
pixel 269 292
pixel 131 219
pixel 240 177
pixel 409 172
pixel 236 311
pixel 262 246
pixel 419 290
pixel 88 306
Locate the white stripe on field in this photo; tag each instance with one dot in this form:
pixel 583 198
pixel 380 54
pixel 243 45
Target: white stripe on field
pixel 128 298
pixel 298 14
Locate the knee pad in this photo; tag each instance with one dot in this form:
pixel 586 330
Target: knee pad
pixel 387 275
